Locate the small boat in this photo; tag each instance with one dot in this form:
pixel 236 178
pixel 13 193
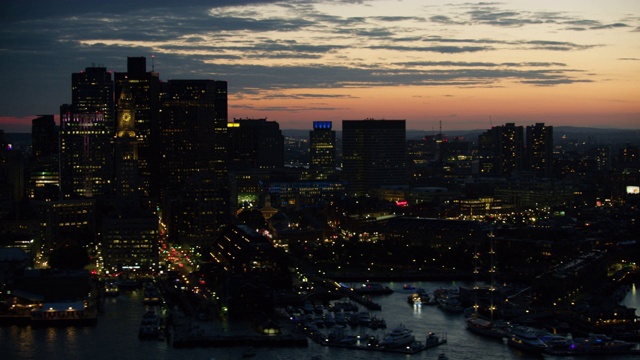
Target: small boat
pixel 442 356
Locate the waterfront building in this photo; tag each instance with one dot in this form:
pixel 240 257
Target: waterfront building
pixel 564 282
pixel 253 270
pixel 539 150
pixel 52 297
pixel 145 89
pixel 86 132
pixel 374 154
pixel 255 144
pixel 130 243
pixel 66 222
pixel 322 148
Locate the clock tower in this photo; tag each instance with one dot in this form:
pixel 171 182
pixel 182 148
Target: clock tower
pixel 126 145
pixel 126 114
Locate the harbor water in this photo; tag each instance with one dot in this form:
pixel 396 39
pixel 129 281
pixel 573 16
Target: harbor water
pixel 116 336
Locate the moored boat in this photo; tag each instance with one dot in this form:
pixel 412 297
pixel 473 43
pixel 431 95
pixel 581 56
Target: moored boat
pixel 487 328
pixel 373 289
pixel 527 340
pixel 399 336
pixel 149 325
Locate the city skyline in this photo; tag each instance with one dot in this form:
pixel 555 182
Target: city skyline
pixel 464 65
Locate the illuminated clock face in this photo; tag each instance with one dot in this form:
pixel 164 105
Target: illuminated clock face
pixel 126 117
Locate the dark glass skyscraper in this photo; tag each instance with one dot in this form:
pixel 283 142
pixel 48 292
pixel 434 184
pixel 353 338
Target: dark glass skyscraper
pixel 374 154
pixel 86 132
pixel 44 169
pixel 322 148
pixel 255 144
pixel 193 126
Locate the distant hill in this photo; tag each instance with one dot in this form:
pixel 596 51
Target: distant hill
pixel 591 135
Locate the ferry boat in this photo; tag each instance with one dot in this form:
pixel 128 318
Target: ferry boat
pixel 63 314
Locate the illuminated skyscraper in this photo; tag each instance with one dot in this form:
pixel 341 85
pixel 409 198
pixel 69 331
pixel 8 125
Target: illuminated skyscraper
pixel 322 148
pixel 194 153
pixel 145 90
pixel 374 154
pixel 86 131
pixel 540 149
pixel 501 150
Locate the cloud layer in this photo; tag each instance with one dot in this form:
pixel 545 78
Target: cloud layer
pixel 297 50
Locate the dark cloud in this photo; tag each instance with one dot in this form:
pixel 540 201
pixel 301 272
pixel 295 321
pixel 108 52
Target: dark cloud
pixel 18 10
pixel 438 49
pixel 397 18
pixel 556 45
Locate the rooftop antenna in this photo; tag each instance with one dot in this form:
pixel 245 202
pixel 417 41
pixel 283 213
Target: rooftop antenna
pixel 490 122
pixel 153 66
pixel 440 127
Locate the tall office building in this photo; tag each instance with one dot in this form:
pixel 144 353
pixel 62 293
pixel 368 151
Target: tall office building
pixel 127 192
pixel 44 169
pixel 44 136
pixel 501 150
pixel 322 148
pixel 145 88
pixel 130 234
pixel 194 154
pixel 193 131
pixel 374 154
pixel 86 131
pixel 130 243
pixel 255 144
pixel 540 149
